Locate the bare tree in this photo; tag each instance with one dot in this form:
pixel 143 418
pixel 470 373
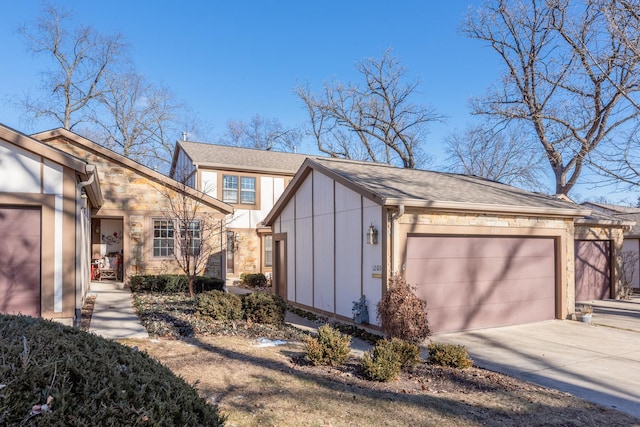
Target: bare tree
pixel 262 133
pixel 504 155
pixel 137 119
pixel 82 58
pixel 375 120
pixel 567 77
pixel 197 232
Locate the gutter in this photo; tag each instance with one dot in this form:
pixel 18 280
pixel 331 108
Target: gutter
pixel 485 208
pixel 80 232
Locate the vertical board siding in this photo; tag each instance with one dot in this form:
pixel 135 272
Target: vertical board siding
pixel 287 226
pixel 323 241
pixel 350 235
pixel 372 256
pixel 304 243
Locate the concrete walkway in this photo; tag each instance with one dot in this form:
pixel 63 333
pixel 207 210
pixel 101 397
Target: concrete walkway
pixel 113 314
pixel 598 362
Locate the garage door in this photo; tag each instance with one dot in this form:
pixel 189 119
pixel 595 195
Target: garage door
pixel 479 282
pixel 20 261
pixel 593 270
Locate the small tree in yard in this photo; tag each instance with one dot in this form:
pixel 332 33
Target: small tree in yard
pixel 195 233
pixel 402 314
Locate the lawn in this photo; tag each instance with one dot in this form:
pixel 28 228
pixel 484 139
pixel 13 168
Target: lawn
pixel 257 385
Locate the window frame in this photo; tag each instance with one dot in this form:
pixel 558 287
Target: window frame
pixel 169 229
pixel 240 191
pixel 267 251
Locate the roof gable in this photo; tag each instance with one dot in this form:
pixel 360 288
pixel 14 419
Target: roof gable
pixel 75 139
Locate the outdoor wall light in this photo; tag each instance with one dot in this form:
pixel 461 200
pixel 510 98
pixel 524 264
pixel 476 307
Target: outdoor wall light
pixel 372 235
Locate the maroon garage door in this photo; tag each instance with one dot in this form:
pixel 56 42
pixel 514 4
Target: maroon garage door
pixel 480 282
pixel 593 269
pixel 20 261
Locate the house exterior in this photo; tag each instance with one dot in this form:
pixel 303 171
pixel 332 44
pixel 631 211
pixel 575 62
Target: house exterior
pixel 46 199
pixel 133 222
pixel 481 253
pixel 251 181
pixel 631 244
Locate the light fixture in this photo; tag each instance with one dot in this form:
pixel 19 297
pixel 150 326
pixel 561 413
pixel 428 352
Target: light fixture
pixel 97 229
pixel 372 235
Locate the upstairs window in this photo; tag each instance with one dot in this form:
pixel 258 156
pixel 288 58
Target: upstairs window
pixel 239 189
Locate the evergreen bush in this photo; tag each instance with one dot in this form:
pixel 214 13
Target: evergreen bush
pixel 219 305
pixel 264 307
pixel 451 355
pixel 55 375
pixel 330 347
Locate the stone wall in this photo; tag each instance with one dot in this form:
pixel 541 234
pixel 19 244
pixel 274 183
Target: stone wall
pixel 137 198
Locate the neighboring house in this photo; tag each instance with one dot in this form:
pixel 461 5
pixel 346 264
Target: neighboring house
pixel 46 199
pixel 251 181
pixel 132 225
pixel 480 253
pixel 631 247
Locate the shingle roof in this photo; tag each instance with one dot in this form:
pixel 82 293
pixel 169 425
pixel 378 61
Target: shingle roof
pixel 223 156
pixel 394 185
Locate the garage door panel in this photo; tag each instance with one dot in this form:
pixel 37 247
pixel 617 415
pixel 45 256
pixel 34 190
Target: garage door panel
pixel 20 260
pixel 592 270
pixel 441 247
pixel 485 292
pixel 444 319
pixel 487 269
pixel 475 292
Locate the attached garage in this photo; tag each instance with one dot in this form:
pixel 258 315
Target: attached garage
pixel 478 282
pixel 482 254
pixel 20 260
pixel 593 269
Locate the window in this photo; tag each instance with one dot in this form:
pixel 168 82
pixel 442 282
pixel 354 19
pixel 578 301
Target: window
pixel 268 251
pixel 163 234
pixel 191 234
pixel 230 250
pixel 246 189
pixel 230 189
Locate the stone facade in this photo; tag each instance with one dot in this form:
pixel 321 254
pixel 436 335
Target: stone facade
pixel 137 196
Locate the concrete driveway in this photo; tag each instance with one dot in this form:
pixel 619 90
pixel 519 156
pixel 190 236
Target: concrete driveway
pixel 598 362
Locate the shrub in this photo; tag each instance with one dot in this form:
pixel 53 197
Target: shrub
pixel 219 305
pixel 257 280
pixel 173 283
pixel 387 358
pixel 87 380
pixel 264 307
pixel 454 356
pixel 329 348
pixel 402 314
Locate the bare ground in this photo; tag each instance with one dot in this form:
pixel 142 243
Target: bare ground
pixel 274 386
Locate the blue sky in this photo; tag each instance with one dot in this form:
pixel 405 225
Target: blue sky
pixel 232 60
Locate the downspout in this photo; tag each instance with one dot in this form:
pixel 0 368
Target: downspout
pixel 395 253
pixel 91 170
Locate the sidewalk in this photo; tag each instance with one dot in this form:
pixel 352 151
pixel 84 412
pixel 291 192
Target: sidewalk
pixel 113 314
